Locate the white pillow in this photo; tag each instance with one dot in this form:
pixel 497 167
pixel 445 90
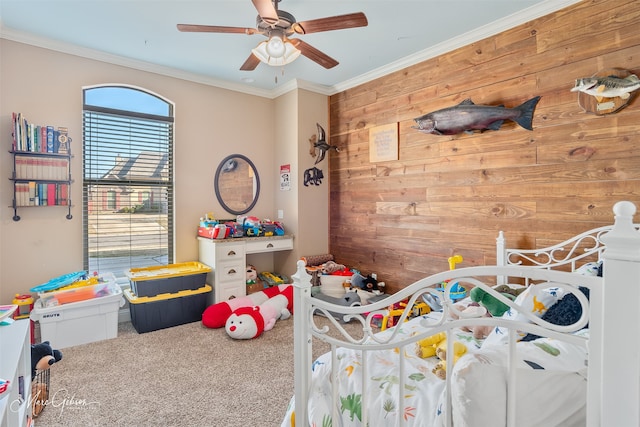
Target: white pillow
pixel 535 300
pixel 588 269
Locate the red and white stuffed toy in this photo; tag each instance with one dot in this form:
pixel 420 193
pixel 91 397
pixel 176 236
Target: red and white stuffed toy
pixel 246 323
pixel 216 315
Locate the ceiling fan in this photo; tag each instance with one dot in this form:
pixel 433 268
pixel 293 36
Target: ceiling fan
pixel 277 26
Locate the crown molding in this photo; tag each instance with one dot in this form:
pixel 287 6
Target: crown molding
pixel 70 49
pixel 504 24
pixel 526 15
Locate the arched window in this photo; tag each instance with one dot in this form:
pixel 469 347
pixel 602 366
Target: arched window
pixel 127 179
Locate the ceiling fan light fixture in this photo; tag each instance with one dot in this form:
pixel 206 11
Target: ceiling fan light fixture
pixel 276 52
pixel 275 47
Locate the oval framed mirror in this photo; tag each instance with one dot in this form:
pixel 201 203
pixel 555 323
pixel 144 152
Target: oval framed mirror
pixel 237 184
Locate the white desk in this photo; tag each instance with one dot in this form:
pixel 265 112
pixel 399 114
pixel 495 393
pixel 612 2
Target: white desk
pixel 228 261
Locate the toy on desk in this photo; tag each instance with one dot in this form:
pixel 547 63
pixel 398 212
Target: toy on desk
pixel 272 228
pixel 251 225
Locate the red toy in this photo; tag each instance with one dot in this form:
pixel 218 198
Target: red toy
pixel 216 315
pixel 246 323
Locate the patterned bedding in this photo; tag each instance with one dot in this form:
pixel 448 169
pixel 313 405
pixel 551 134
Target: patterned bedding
pixel 547 369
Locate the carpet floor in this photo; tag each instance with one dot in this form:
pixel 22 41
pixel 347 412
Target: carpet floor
pixel 187 375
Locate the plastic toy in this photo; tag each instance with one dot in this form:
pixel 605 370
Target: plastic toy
pixel 395 311
pixel 271 279
pixel 24 304
pixel 60 281
pixel 350 299
pixel 216 315
pixel 43 356
pixel 250 322
pixel 251 225
pixel 272 228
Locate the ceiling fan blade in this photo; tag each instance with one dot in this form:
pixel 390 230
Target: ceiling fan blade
pixel 314 54
pixel 189 28
pixel 340 22
pixel 267 11
pixel 250 64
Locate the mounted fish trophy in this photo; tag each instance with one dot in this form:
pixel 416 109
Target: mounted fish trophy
pixel 468 117
pixel 607 91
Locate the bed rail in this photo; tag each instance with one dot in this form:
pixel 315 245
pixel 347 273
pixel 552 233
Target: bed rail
pixel 570 254
pixel 613 388
pixel 306 327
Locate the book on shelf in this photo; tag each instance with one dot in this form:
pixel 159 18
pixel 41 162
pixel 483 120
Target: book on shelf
pixel 32 193
pixel 41 168
pixel 38 139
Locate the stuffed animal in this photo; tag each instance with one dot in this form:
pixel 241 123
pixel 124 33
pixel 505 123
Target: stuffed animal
pixel 250 322
pixel 216 315
pixel 367 283
pixel 43 356
pixel 440 370
pixel 252 275
pixel 495 307
pixel 427 347
pixel 436 345
pixel 331 267
pixel 474 310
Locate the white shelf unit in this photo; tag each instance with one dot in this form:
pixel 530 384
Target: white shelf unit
pixel 15 366
pixel 228 261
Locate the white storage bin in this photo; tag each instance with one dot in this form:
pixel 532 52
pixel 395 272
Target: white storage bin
pixel 79 322
pixel 332 285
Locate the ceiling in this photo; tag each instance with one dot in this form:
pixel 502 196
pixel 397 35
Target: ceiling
pixel 142 34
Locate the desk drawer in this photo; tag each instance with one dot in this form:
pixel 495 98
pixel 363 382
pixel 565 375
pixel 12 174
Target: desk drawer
pixel 231 272
pixel 258 246
pixel 226 252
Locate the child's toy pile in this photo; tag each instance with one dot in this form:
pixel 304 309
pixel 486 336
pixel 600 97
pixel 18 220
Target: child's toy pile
pixel 242 226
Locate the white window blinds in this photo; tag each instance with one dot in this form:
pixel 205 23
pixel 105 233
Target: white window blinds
pixel 127 189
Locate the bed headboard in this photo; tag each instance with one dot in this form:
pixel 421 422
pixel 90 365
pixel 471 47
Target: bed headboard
pixel 570 254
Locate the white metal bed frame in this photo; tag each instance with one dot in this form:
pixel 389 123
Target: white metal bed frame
pixel 613 389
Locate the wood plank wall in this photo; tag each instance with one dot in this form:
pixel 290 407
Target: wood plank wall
pixel 451 195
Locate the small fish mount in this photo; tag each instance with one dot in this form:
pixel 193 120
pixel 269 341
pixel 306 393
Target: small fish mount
pixel 319 146
pixel 607 91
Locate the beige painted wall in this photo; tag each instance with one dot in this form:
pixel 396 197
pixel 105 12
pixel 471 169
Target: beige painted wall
pixel 211 123
pixel 305 208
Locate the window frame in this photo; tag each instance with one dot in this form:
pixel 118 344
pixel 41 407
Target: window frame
pixel 152 187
